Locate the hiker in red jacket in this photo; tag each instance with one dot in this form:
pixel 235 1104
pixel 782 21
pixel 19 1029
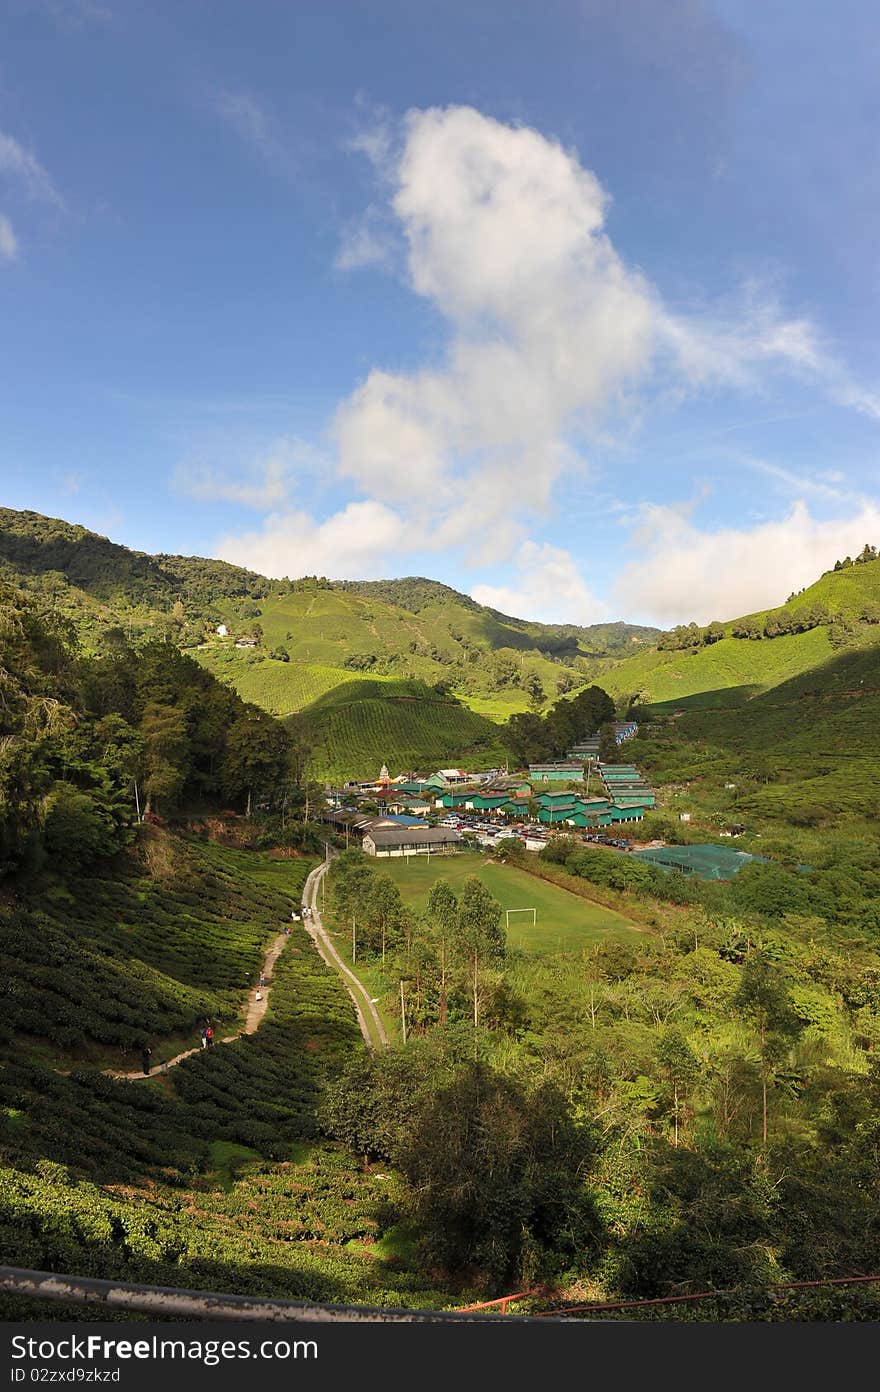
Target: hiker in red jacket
pixel 209 1035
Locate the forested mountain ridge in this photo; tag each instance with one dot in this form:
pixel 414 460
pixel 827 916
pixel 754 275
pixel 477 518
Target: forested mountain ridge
pixel 312 637
pixel 33 545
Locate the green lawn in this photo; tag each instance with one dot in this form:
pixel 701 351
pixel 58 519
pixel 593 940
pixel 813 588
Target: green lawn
pixel 564 922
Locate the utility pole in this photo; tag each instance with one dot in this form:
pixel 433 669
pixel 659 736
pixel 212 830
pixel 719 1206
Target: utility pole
pixel 353 942
pixel 402 1013
pixel 137 801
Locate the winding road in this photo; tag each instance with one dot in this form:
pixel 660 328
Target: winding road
pixel 368 1016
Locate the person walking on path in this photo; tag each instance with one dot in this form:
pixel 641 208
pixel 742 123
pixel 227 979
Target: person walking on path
pixel 262 978
pixel 203 1035
pixel 209 1034
pixel 145 1059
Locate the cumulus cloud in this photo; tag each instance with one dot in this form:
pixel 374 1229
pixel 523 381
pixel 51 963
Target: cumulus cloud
pixel 8 242
pixel 362 540
pixel 550 587
pixel 684 572
pixel 548 327
pixel 504 233
pixel 548 335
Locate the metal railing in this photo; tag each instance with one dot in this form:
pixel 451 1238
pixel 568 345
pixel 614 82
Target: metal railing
pixel 163 1302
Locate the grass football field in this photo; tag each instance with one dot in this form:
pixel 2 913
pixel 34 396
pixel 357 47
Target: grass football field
pixel 564 921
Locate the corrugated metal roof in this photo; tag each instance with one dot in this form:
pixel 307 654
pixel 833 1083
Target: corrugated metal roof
pixel 413 836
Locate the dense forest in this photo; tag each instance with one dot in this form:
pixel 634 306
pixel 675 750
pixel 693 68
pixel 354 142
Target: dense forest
pixel 92 743
pixel 532 737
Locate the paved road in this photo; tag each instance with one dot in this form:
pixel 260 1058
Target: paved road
pixel 369 1018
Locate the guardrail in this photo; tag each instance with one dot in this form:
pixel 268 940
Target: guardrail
pixel 168 1301
pixel 503 1301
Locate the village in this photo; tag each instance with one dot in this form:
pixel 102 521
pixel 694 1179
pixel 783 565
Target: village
pixel 453 810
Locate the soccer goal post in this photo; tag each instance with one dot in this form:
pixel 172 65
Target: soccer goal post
pixel 533 912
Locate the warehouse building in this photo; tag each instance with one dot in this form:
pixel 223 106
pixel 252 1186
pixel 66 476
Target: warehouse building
pixel 383 839
pixel 397 835
pixel 571 771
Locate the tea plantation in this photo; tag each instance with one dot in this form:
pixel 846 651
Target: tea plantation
pixel 211 1175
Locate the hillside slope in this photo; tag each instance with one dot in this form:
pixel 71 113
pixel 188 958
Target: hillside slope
pixel 411 627
pixel 841 611
pixel 360 725
pixel 417 594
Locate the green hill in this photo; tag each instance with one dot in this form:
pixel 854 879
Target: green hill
pixel 420 595
pixel 729 672
pixel 358 726
pixel 391 629
pixel 740 659
pixel 818 734
pixel 316 637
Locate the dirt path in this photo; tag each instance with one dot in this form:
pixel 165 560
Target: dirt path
pixel 368 1016
pixel 256 1009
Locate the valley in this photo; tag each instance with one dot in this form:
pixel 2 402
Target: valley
pixel 603 1079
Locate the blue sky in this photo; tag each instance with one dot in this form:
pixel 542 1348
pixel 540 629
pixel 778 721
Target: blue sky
pixel 570 305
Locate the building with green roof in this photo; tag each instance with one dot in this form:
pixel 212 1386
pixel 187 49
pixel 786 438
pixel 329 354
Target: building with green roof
pixel 571 771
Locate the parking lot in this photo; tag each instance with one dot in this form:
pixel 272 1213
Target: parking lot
pixel 533 838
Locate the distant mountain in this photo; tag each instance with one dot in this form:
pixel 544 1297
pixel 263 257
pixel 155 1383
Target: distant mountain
pixel 319 637
pixel 416 593
pixel 32 546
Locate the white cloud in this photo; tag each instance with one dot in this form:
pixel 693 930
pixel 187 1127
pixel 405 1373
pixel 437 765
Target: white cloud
pixel 265 483
pixel 549 328
pixel 550 588
pixel 548 334
pixel 20 163
pixel 264 489
pixel 746 336
pixel 503 229
pixel 361 541
pixel 368 240
pixel 8 242
pixel 829 484
pixel 685 573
